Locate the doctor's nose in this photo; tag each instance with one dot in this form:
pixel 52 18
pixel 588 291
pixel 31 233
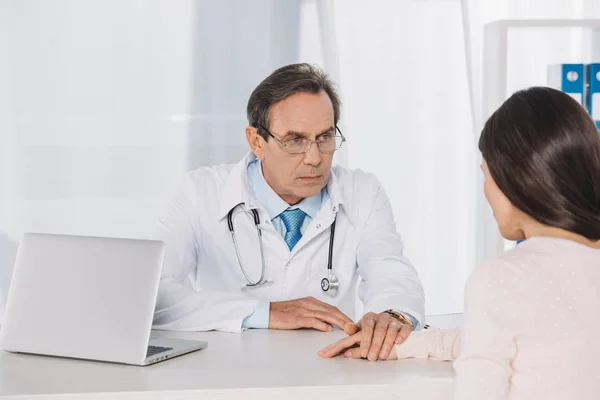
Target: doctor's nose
pixel 313 155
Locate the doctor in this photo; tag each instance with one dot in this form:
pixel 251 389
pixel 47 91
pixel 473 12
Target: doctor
pixel 281 240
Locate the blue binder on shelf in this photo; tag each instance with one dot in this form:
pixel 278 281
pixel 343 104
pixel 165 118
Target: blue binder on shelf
pixel 593 95
pixel 570 78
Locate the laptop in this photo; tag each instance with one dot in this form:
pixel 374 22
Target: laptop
pixel 87 298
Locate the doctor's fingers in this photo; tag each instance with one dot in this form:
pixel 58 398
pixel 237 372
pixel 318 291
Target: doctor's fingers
pixel 318 305
pixel 324 316
pixel 390 339
pixel 367 324
pixel 404 333
pixel 351 329
pixel 315 323
pixel 379 334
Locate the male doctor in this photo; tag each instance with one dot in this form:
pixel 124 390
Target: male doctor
pixel 249 245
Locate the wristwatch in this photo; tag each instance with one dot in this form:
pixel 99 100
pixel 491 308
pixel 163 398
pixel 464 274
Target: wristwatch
pixel 400 317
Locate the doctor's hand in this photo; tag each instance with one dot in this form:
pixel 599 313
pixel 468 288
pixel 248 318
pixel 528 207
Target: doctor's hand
pixel 379 333
pixel 307 313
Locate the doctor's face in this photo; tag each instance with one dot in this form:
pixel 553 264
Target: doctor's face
pixel 296 176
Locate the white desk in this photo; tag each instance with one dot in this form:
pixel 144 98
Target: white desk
pixel 258 364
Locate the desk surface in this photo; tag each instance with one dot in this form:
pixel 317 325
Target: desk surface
pixel 257 364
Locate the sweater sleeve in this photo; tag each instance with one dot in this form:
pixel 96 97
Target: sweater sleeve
pixel 433 343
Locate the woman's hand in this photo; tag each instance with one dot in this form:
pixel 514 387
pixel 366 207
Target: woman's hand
pixel 379 334
pixel 350 347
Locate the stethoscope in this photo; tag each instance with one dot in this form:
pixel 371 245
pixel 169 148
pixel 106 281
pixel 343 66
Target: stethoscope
pixel 329 284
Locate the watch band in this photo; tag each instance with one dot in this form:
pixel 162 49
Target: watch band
pixel 400 317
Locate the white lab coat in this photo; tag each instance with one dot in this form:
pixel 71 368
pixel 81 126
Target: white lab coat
pixel 203 288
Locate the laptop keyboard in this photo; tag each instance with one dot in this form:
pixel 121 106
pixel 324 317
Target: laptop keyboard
pixel 152 350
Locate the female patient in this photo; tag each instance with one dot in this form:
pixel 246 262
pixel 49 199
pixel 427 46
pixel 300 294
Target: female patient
pixel 532 314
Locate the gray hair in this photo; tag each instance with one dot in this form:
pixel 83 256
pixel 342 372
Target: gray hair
pixel 284 82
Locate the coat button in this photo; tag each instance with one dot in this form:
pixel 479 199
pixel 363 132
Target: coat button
pixel 319 226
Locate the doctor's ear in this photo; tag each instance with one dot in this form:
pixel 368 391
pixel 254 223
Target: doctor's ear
pixel 255 141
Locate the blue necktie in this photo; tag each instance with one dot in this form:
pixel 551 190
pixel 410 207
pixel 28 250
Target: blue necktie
pixel 292 219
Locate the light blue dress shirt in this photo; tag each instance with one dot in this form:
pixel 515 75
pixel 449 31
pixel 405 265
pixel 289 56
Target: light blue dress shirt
pixel 274 206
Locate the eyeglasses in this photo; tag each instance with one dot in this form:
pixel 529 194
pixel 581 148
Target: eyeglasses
pixel 326 143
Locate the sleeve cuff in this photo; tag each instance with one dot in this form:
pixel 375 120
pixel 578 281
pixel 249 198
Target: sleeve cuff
pixel 259 319
pixel 413 320
pixel 437 344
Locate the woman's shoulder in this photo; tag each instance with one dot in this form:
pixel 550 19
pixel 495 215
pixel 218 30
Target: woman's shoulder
pixel 509 273
pixel 510 265
pixel 539 254
pixel 527 265
pixel 528 255
pixel 501 289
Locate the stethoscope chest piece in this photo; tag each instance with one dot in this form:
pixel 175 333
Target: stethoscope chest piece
pixel 330 284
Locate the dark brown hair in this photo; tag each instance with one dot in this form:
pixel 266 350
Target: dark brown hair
pixel 284 82
pixel 543 150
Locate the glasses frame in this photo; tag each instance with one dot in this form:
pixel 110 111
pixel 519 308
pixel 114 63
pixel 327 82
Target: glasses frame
pixel 284 144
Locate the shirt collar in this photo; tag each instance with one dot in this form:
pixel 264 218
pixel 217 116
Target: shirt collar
pixel 236 190
pixel 273 204
pixel 336 193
